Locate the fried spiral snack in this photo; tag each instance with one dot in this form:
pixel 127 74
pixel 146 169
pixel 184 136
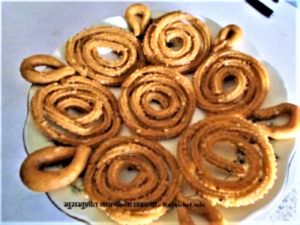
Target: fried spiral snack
pixel 82 54
pixel 76 111
pixel 157 180
pixel 250 183
pixel 44 181
pixel 173 92
pixel 59 71
pixel 200 206
pixel 251 81
pixel 250 89
pixel 132 14
pixel 177 28
pixel 288 130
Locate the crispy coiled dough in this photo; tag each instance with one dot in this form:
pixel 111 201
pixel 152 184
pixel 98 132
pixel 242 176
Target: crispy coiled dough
pixel 251 81
pixel 177 28
pixel 82 54
pixel 30 74
pixel 288 130
pixel 250 89
pixel 138 17
pixel 250 183
pixel 157 180
pixel 76 111
pixel 170 90
pixel 44 181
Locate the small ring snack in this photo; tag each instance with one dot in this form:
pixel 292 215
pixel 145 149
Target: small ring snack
pixel 199 206
pixel 82 54
pixel 228 37
pixel 59 71
pixel 250 182
pixel 157 180
pixel 132 14
pixel 45 181
pixel 190 36
pixel 288 130
pixel 170 90
pixel 76 111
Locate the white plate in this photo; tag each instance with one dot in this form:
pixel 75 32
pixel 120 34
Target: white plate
pixel 34 140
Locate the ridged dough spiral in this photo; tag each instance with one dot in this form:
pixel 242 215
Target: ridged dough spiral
pixel 76 111
pixel 188 33
pixel 157 180
pixel 172 92
pixel 82 54
pixel 250 183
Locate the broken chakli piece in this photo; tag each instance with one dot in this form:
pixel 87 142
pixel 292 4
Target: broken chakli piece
pixel 192 203
pixel 198 205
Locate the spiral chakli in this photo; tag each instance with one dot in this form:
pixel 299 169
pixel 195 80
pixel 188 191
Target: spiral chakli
pixel 170 90
pixel 157 180
pixel 82 54
pixel 250 78
pixel 174 29
pixel 76 111
pixel 250 181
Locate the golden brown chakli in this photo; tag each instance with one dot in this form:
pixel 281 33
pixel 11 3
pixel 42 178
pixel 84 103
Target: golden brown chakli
pixel 195 150
pixel 172 92
pixel 251 80
pixel 156 102
pixel 250 90
pixel 157 180
pixel 82 54
pixel 76 111
pixel 189 35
